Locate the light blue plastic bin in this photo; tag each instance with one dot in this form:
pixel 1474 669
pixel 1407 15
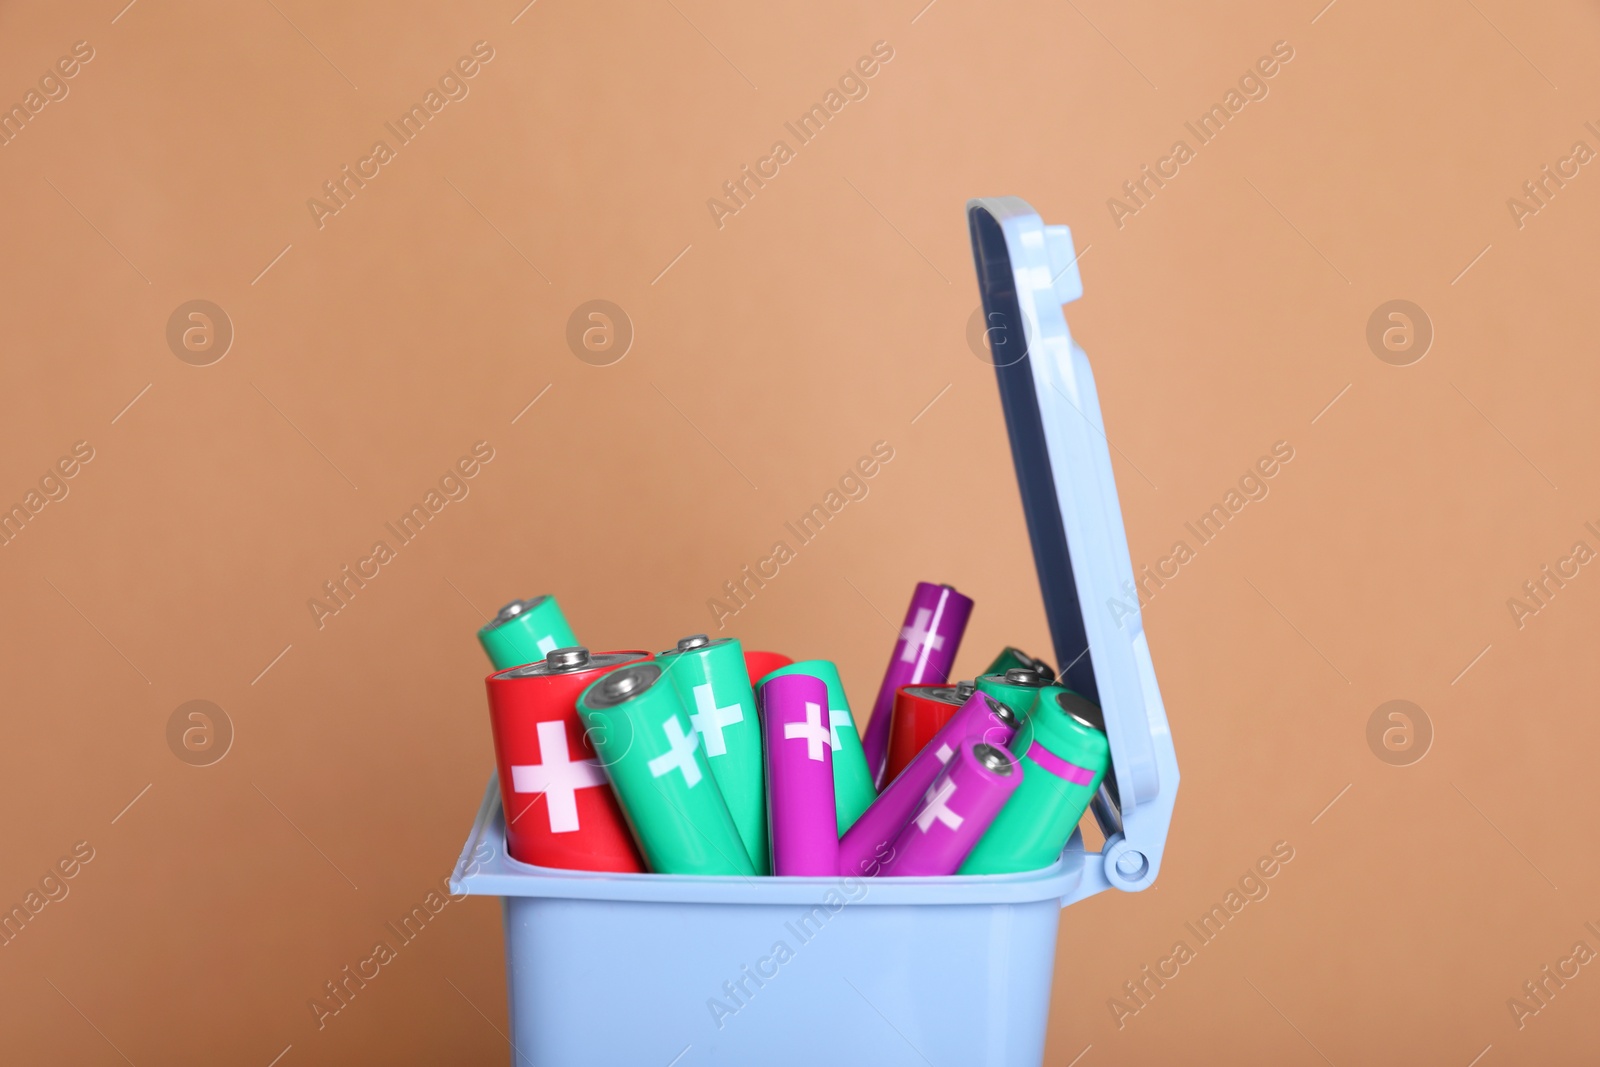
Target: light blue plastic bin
pixel 630 968
pixel 674 970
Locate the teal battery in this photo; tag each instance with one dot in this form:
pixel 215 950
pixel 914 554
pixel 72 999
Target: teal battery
pixel 709 677
pixel 525 631
pixel 652 755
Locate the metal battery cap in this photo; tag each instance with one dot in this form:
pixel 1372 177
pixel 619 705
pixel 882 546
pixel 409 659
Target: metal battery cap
pixel 569 661
pixel 943 693
pixel 621 685
pixel 1002 711
pixel 695 642
pixel 1024 676
pixel 512 610
pixel 964 690
pixel 993 758
pixel 1082 710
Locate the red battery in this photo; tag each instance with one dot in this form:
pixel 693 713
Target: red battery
pixel 760 664
pixel 920 711
pixel 559 807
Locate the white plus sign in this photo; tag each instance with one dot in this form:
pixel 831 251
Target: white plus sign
pixel 936 808
pixel 680 756
pixel 917 636
pixel 547 645
pixel 558 776
pixel 838 717
pixel 812 730
pixel 709 719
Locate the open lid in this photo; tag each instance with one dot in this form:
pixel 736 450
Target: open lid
pixel 1026 272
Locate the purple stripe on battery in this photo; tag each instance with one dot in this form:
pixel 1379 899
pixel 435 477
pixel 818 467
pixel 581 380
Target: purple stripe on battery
pixel 923 654
pixel 1059 767
pixel 955 811
pixel 869 841
pixel 801 818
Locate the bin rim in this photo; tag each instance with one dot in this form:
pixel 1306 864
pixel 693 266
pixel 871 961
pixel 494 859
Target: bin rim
pixel 484 869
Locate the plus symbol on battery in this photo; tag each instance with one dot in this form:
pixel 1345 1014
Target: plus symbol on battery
pixel 944 753
pixel 558 776
pixel 936 809
pixel 680 756
pixel 837 717
pixel 917 636
pixel 812 730
pixel 709 719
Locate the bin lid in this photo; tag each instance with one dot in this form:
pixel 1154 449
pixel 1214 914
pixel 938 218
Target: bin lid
pixel 1026 272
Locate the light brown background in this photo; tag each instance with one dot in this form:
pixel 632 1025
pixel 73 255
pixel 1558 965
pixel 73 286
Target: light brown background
pixel 1222 318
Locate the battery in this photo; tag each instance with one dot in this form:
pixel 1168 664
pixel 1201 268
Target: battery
pixel 924 653
pixel 852 781
pixel 1064 755
pixel 1015 657
pixel 542 754
pixel 709 677
pixel 920 711
pixel 868 843
pixel 757 665
pixel 800 782
pixel 1019 687
pixel 525 631
pixel 956 810
pixel 1106 805
pixel 652 755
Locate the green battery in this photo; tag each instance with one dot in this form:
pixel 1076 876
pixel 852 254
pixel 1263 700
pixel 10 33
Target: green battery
pixel 1015 657
pixel 711 680
pixel 1063 756
pixel 852 779
pixel 1017 688
pixel 525 631
pixel 651 753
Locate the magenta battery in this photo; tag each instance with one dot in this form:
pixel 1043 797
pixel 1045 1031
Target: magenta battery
pixel 923 655
pixel 869 843
pixel 956 810
pixel 801 818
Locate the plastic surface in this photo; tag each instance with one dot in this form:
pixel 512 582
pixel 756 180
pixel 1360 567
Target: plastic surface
pixel 1026 271
pixel 892 972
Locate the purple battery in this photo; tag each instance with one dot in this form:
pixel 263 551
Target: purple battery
pixel 801 819
pixel 956 809
pixel 870 840
pixel 924 654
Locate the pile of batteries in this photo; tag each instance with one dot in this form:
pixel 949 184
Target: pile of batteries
pixel 709 760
